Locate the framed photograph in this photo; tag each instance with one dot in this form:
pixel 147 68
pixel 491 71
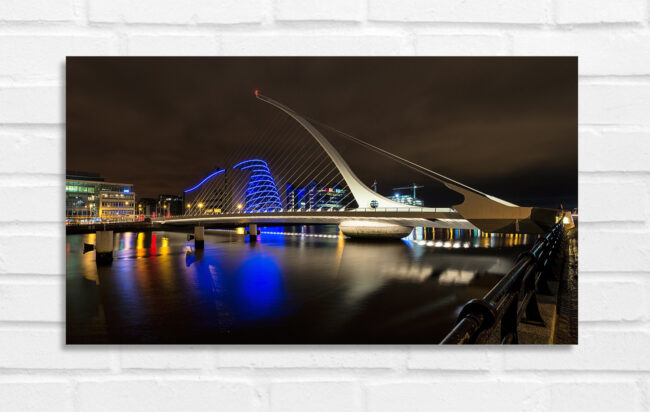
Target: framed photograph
pixel 321 200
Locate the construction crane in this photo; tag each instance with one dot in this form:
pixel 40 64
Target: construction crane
pixel 413 186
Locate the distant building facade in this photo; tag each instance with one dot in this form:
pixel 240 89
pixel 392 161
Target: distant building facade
pixel 147 206
pixel 215 201
pixel 89 198
pixel 314 197
pixel 406 199
pixel 170 205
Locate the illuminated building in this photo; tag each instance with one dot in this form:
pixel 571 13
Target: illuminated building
pixel 261 191
pixel 330 198
pixel 406 199
pixel 116 205
pixel 89 198
pixel 314 197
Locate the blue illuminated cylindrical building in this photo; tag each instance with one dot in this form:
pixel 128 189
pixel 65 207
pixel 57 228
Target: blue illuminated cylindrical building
pixel 261 193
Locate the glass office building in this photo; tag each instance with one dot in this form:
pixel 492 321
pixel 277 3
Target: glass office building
pixel 314 197
pixel 406 199
pixel 89 198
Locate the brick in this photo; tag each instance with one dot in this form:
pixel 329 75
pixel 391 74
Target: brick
pixel 595 396
pixel 31 153
pixel 45 349
pixel 310 357
pixel 617 104
pixel 471 11
pixel 32 254
pixel 598 11
pixel 449 358
pixel 17 302
pixel 31 206
pixel 339 10
pixel 598 350
pixel 36 10
pixel 165 357
pixel 606 251
pixel 284 44
pixel 32 104
pixel 460 45
pixel 168 395
pixel 600 53
pixel 455 396
pixel 614 151
pixel 43 57
pixel 36 396
pixel 315 396
pixel 600 201
pixel 612 300
pixel 172 12
pixel 182 45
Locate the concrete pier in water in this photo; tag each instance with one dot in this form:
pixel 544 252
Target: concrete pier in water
pixel 199 240
pixel 104 247
pixel 252 232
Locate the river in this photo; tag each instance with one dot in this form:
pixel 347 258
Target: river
pixel 294 285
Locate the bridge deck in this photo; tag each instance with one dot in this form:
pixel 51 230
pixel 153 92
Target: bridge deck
pixel 426 217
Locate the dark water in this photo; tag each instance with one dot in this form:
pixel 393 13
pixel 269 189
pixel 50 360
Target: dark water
pixel 319 288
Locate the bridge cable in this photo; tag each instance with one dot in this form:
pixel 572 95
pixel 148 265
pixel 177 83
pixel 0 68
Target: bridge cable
pixel 405 162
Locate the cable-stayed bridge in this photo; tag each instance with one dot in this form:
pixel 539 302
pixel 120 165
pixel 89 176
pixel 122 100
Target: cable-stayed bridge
pixel 290 178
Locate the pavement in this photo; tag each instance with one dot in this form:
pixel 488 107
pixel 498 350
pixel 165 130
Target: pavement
pixel 559 308
pixel 566 331
pixel 558 305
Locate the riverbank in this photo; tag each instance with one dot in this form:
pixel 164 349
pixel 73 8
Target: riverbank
pixel 115 227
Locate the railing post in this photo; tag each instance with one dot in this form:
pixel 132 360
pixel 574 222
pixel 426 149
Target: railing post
pixel 532 316
pixel 509 320
pixel 475 317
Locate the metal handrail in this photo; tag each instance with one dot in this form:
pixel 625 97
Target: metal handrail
pixel 513 298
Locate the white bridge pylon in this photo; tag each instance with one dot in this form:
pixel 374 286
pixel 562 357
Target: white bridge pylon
pixel 365 196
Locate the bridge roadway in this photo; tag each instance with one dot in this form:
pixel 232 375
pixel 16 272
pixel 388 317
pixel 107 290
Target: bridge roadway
pixel 424 217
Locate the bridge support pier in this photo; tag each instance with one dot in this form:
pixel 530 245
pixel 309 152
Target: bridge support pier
pixel 104 247
pixel 199 231
pixel 373 229
pixel 252 232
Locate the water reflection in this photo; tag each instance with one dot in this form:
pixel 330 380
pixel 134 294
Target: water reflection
pixel 295 285
pixel 466 238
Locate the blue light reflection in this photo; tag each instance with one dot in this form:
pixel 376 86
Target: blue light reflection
pixel 260 288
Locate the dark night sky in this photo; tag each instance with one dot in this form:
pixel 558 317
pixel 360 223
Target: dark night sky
pixel 506 126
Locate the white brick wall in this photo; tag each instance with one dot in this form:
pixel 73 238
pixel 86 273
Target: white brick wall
pixel 607 371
